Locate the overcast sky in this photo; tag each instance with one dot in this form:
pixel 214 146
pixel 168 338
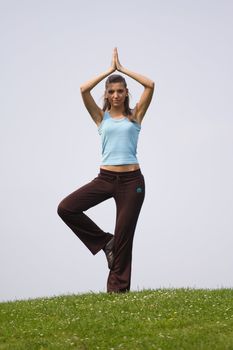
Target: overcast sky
pixel 50 146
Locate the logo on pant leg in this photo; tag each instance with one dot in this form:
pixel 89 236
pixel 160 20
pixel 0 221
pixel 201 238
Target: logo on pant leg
pixel 139 190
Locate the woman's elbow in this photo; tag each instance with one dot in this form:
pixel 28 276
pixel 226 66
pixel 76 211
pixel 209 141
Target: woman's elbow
pixel 152 85
pixel 82 89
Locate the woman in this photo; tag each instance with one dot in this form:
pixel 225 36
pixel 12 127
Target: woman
pixel 120 176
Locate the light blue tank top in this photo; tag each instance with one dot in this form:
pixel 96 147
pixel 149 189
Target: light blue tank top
pixel 119 140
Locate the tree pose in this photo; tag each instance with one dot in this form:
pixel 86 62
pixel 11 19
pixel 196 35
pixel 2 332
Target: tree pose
pixel 119 176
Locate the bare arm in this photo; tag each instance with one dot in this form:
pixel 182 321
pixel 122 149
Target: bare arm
pixel 90 104
pixel 147 94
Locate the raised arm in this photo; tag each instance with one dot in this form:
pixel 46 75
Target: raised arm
pixel 145 99
pixel 90 104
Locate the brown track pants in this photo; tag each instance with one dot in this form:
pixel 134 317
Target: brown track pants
pixel 128 191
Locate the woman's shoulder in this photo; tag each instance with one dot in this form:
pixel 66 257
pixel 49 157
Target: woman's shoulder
pixel 133 115
pixel 105 115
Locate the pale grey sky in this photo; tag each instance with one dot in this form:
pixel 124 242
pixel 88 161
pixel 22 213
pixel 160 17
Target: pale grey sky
pixel 50 146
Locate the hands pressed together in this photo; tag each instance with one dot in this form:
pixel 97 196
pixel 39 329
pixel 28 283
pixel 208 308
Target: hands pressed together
pixel 115 64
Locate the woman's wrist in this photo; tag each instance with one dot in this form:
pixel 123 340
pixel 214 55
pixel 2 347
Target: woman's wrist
pixel 111 70
pixel 120 69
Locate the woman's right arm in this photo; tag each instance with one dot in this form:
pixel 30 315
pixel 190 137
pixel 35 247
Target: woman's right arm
pixel 94 110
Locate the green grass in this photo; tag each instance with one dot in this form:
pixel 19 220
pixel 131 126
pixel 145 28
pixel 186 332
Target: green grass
pixel 183 319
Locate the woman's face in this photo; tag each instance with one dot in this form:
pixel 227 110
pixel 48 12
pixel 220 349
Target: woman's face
pixel 116 93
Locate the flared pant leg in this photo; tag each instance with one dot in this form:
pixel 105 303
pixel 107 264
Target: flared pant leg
pixel 129 197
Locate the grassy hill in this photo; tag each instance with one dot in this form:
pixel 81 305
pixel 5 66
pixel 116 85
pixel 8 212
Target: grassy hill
pixel 163 319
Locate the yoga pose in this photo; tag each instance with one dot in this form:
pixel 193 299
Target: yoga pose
pixel 119 176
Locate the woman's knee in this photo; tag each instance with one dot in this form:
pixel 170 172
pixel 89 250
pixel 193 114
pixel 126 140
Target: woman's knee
pixel 62 210
pixel 66 208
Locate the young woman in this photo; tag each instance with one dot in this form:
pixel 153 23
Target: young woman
pixel 119 177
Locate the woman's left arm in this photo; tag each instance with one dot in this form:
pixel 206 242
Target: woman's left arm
pixel 146 97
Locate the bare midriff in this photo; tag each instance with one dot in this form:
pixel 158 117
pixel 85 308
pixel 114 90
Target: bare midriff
pixel 120 168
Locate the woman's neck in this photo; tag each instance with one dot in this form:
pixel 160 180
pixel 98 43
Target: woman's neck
pixel 116 112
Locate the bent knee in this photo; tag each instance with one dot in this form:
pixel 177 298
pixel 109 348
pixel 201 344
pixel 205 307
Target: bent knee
pixel 61 210
pixel 64 209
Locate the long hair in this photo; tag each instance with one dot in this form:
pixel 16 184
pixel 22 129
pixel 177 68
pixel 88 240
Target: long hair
pixel 116 78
